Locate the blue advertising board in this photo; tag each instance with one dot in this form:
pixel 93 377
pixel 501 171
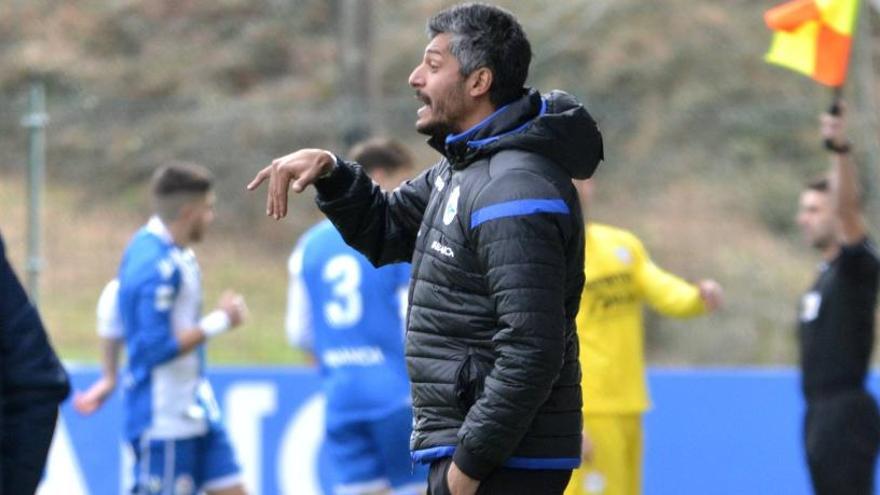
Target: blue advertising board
pixel 718 431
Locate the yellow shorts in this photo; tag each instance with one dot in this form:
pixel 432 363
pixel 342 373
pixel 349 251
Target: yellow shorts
pixel 616 467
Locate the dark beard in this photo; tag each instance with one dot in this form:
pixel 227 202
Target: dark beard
pixel 436 130
pixel 447 107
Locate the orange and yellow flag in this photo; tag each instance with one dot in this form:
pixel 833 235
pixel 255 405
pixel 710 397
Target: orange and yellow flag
pixel 813 37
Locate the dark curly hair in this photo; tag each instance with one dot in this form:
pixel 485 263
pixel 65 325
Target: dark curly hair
pixel 487 36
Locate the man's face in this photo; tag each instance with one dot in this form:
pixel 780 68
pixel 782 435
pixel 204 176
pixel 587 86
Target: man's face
pixel 198 215
pixel 815 219
pixel 441 87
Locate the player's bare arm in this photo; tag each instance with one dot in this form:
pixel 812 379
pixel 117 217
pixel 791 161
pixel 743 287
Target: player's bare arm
pixel 844 178
pixel 92 399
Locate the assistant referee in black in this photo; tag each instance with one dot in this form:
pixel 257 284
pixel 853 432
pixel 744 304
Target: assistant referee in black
pixel 836 326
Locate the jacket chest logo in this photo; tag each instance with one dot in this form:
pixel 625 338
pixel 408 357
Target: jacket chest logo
pixel 451 206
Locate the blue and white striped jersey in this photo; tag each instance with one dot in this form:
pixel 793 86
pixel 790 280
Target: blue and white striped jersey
pixel 350 315
pixel 166 394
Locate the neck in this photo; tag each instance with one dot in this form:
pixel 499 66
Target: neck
pixel 482 109
pixel 178 233
pixel 830 251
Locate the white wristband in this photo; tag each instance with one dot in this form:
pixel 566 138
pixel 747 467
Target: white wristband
pixel 215 323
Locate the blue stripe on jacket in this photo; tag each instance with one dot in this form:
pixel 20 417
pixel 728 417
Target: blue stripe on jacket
pixel 518 207
pixel 427 456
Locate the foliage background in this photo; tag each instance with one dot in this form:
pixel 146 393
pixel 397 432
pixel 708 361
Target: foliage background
pixel 706 145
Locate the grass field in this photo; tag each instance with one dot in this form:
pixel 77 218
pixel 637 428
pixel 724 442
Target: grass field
pixel 83 240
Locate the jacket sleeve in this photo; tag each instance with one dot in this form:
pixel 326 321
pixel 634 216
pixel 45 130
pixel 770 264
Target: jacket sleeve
pixel 520 226
pixel 381 225
pixel 32 385
pixel 666 293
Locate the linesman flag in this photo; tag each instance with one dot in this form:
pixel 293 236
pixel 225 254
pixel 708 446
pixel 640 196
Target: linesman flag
pixel 813 37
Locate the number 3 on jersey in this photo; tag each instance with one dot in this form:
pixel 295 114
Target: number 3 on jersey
pixel 343 274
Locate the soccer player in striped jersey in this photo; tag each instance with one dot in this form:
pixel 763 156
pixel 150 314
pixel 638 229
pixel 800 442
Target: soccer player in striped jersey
pixel 171 417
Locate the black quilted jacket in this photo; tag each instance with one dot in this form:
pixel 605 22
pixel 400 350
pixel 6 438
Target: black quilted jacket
pixel 495 235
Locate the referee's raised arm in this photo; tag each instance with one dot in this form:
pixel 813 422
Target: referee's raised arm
pixel 846 199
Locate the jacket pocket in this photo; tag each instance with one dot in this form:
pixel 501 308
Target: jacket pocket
pixel 470 378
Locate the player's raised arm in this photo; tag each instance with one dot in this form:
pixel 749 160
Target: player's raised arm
pixel 844 178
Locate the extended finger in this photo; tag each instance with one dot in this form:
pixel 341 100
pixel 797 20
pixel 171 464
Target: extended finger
pixel 282 198
pixel 270 199
pixel 278 191
pixel 261 176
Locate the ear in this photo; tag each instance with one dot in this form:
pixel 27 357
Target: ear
pixel 480 82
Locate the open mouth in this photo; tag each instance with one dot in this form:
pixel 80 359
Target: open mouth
pixel 424 99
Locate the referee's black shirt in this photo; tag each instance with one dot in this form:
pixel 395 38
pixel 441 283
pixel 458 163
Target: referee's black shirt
pixel 836 331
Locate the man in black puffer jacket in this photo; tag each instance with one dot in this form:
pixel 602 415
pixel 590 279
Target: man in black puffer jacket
pixel 495 235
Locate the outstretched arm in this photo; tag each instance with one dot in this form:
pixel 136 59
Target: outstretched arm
pixel 845 195
pixel 671 295
pixel 382 226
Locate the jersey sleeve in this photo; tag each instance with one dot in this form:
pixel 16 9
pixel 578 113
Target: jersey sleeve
pixel 666 293
pixel 153 305
pixel 860 261
pixel 109 325
pixel 298 320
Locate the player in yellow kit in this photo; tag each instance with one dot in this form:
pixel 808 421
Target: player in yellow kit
pixel 620 279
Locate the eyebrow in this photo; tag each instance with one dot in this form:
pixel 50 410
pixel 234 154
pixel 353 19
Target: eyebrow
pixel 434 51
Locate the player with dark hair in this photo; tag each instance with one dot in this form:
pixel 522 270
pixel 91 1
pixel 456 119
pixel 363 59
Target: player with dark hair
pixel 171 417
pixel 349 315
pixel 836 331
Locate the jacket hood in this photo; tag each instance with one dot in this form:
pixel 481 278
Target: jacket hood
pixel 555 125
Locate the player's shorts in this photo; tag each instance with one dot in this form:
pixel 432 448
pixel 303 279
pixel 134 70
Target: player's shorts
pixel 374 455
pixel 185 466
pixel 616 467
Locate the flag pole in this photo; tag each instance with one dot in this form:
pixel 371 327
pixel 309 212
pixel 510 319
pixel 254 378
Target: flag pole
pixel 835 109
pixel 836 98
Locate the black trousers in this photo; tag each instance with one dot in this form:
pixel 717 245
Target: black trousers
pixel 504 481
pixel 842 436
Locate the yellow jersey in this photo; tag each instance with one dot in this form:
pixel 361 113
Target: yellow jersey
pixel 620 278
